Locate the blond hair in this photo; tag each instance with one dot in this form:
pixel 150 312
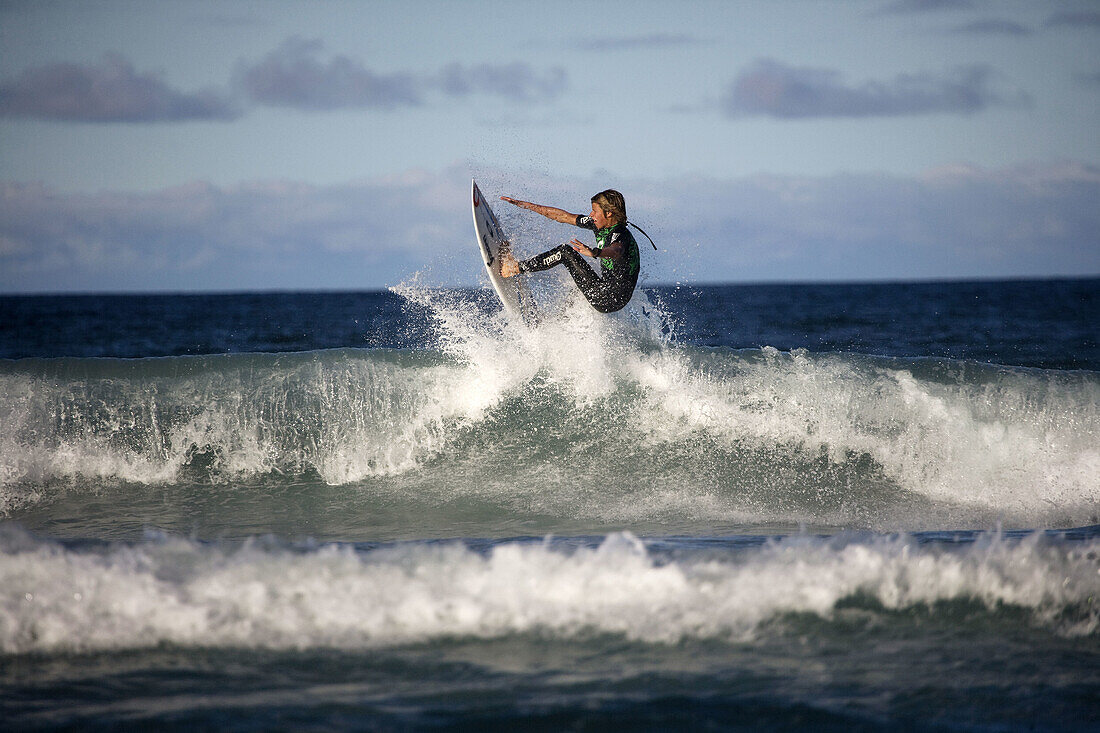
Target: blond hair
pixel 612 203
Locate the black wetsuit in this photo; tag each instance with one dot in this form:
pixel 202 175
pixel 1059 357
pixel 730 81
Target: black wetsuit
pixel 609 290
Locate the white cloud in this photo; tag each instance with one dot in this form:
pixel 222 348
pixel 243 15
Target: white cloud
pixel 953 222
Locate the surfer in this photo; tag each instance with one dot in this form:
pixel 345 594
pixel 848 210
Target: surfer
pixel 616 250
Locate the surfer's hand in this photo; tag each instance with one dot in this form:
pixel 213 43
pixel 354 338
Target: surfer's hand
pixel 581 247
pixel 515 202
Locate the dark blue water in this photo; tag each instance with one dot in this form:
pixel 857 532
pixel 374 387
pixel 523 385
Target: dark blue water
pixel 1049 324
pixel 834 507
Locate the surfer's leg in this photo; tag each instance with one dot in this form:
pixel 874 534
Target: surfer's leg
pixel 563 254
pixel 601 295
pixel 607 299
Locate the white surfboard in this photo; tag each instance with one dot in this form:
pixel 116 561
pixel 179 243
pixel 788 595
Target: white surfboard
pixel 512 291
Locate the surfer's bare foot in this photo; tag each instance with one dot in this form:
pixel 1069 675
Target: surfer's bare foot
pixel 508 266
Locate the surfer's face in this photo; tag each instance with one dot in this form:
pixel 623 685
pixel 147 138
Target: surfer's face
pixel 599 218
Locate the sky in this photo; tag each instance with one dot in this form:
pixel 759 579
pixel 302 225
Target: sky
pixel 190 146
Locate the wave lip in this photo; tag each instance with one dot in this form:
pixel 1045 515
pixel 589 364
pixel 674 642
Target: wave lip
pixel 56 598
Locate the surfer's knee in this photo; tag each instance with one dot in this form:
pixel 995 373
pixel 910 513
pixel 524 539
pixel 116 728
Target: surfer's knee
pixel 609 307
pixel 606 302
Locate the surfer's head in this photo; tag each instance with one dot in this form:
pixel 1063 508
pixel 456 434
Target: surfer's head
pixel 612 204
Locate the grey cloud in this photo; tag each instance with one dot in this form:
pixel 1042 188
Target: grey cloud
pixel 293 75
pixel 994 27
pixel 1088 79
pixel 111 91
pixel 924 6
pixel 775 89
pixel 516 81
pixel 222 20
pixel 649 42
pixel 1081 19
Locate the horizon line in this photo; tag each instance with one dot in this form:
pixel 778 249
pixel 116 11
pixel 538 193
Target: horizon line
pixel 933 280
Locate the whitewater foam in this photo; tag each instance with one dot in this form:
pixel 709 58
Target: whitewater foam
pixel 175 591
pixel 1022 441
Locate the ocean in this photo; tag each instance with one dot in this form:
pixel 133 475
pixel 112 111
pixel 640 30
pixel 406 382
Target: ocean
pixel 729 507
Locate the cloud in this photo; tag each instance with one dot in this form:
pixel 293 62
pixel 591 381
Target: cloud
pixel 110 91
pixel 201 237
pixel 292 75
pixel 1081 19
pixel 648 42
pixel 1088 79
pixel 777 90
pixel 229 19
pixel 953 222
pixel 993 27
pixel 924 6
pixel 518 82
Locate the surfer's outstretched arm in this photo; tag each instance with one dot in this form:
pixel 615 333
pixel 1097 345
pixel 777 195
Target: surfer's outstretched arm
pixel 558 215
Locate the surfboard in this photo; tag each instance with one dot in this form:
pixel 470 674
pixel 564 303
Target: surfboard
pixel 513 292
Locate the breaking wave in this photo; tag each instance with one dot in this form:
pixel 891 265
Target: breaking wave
pixel 56 597
pixel 582 416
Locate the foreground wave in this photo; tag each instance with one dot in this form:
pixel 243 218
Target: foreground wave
pixel 661 430
pixel 605 419
pixel 79 597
